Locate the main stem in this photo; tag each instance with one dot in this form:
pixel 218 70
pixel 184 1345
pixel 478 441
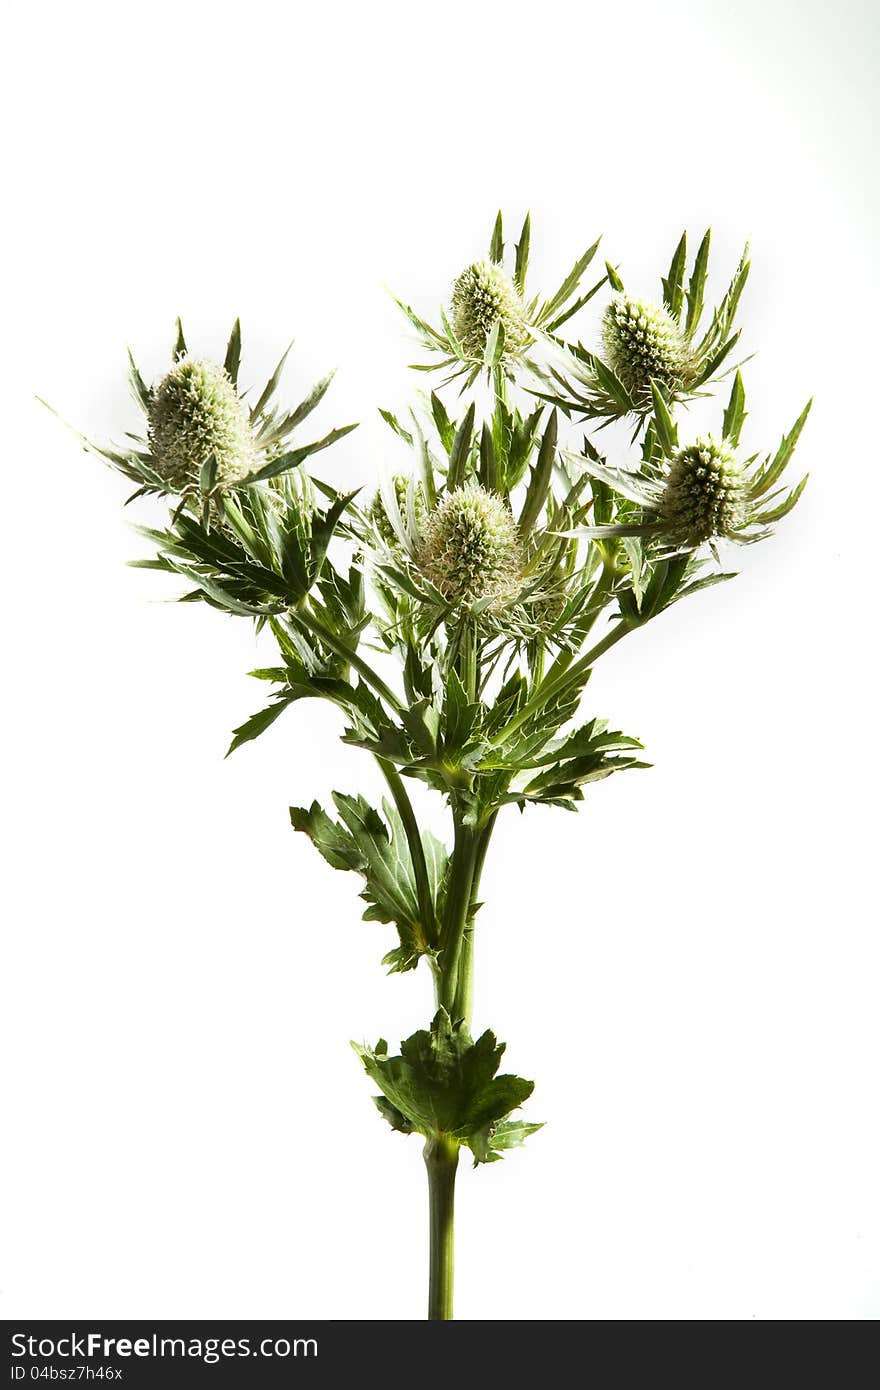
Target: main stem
pixel 455 994
pixel 441 1161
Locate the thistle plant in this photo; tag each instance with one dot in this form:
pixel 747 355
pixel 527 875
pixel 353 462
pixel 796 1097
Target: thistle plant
pixel 455 613
pixel 665 340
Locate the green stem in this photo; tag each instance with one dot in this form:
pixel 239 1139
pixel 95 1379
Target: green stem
pixel 416 847
pixel 441 1161
pixel 306 622
pixel 463 1003
pixel 458 903
pixel 468 659
pixel 548 689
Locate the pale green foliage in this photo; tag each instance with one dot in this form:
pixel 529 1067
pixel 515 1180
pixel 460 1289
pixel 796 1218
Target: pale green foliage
pixel 455 617
pixel 195 414
pixel 483 296
pixel 471 550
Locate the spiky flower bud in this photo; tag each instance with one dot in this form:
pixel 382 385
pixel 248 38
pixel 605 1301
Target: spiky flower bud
pixel 379 515
pixel 643 341
pixel 471 550
pixel 546 607
pixel 705 495
pixel 481 296
pixel 196 412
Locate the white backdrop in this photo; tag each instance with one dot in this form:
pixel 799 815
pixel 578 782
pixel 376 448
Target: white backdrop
pixel 689 968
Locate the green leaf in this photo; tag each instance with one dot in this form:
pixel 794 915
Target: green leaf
pixel 395 1118
pixel 258 723
pixel 142 393
pixel 445 428
pixel 735 414
pixel 697 286
pixel 613 278
pixel 488 465
pixel 208 474
pixel 522 254
pixel 542 474
pixel 306 406
pixel 179 349
pixel 667 431
pixel 612 386
pixel 330 839
pixel 673 285
pixel 432 339
pixel 496 245
pixel 460 452
pixel 569 285
pixel 776 467
pixel 294 457
pixel 271 385
pixel 782 508
pixel 378 850
pixel 494 349
pixel 219 594
pixel 392 421
pixel 490 1144
pixel 574 307
pixel 459 720
pixel 323 526
pixel 233 352
pixel 443 1083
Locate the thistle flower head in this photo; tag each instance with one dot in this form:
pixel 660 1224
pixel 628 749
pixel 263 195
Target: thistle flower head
pixel 546 607
pixel 643 341
pixel 378 513
pixel 705 494
pixel 195 412
pixel 481 296
pixel 470 550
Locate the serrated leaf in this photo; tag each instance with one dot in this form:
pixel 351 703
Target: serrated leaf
pixel 142 393
pixel 782 508
pixel 522 254
pixel 460 451
pixel 258 723
pixel 496 245
pixel 697 285
pixel 735 414
pixel 376 847
pixel 776 467
pixel 271 385
pixel 673 285
pixel 232 359
pixel 542 474
pixel 445 428
pixel 667 431
pixel 294 457
pixel 488 464
pixel 569 285
pixel 443 1083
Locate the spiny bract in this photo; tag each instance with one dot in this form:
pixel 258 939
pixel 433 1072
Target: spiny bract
pixel 379 514
pixel 642 341
pixel 481 296
pixel 705 495
pixel 196 412
pixel 471 549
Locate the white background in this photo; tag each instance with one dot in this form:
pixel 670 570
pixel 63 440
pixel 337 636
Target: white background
pixel 689 968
